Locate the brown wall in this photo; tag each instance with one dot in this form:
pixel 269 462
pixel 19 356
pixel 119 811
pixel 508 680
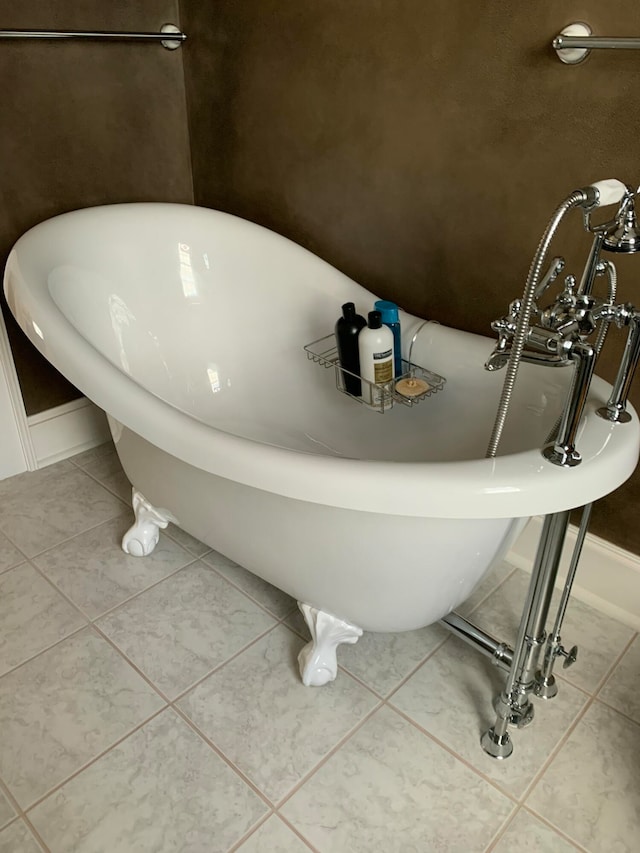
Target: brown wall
pixel 418 145
pixel 84 124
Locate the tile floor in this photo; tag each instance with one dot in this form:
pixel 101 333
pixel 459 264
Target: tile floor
pixel 154 705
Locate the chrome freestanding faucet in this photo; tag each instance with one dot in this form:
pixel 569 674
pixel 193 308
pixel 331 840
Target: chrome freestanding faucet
pixel 559 333
pixel 569 330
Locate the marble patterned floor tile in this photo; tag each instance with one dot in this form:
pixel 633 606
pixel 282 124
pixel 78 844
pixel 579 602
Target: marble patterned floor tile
pixel 96 574
pixel 17 838
pixel 185 626
pixel 258 712
pixel 621 688
pixel 591 790
pixel 489 583
pixel 107 469
pixel 63 708
pixel 193 545
pixel 22 485
pixel 7 812
pixel 275 601
pixel 600 638
pixel 381 661
pixel 274 836
pixel 161 790
pixel 9 554
pixel 391 788
pixel 42 508
pixel 528 834
pixel 451 697
pixel 89 457
pixel 33 616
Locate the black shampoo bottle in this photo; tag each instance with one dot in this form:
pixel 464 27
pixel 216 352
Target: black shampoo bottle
pixel 347 331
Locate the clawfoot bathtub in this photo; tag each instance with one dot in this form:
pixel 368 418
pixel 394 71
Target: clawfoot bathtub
pixel 186 325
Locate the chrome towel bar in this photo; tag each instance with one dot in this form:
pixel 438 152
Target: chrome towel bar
pixel 169 36
pixel 575 42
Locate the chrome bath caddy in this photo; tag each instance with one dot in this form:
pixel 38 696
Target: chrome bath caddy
pixel 414 385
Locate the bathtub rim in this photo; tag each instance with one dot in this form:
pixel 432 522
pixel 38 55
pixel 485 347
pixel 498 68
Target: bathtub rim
pixel 514 485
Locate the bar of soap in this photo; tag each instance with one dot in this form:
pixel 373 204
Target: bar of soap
pixel 412 386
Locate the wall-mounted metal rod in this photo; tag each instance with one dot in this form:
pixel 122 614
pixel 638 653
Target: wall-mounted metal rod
pixel 575 42
pixel 169 36
pixel 595 42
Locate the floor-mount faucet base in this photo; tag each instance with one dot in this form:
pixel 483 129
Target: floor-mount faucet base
pixel 495 745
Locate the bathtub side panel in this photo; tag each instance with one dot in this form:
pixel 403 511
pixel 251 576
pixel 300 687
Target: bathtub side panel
pixel 383 573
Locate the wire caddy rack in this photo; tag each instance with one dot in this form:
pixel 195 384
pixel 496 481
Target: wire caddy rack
pixel 414 385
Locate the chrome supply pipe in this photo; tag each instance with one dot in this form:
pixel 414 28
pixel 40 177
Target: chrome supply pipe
pixel 590 267
pixel 563 451
pixel 500 653
pixel 616 408
pixel 513 706
pixel 545 686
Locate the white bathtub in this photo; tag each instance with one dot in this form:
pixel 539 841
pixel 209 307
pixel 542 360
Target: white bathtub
pixel 187 325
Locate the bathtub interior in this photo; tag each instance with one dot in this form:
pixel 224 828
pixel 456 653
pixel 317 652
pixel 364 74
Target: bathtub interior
pixel 210 313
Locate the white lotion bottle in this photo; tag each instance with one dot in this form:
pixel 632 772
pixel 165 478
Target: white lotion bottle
pixel 375 347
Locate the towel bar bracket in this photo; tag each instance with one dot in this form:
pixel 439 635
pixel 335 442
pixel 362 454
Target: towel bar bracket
pixel 574 44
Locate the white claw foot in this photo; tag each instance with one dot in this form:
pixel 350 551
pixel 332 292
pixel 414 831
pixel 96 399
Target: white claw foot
pixel 142 537
pixel 318 661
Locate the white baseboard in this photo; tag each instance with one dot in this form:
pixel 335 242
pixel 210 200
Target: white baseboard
pixel 608 577
pixel 66 430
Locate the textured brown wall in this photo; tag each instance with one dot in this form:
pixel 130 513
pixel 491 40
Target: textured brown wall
pixel 83 124
pixel 418 145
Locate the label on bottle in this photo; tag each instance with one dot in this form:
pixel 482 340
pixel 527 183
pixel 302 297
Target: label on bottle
pixel 383 370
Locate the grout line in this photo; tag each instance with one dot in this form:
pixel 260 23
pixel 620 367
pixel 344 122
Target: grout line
pixel 343 740
pixel 14 566
pixel 368 687
pixel 167 531
pixel 67 538
pixel 605 678
pixel 4 789
pixel 97 630
pixel 220 666
pixel 217 570
pixel 44 651
pixel 252 831
pixel 401 684
pixel 61 592
pixel 108 445
pixel 139 592
pixel 514 569
pixel 92 761
pixel 617 711
pixel 104 485
pixel 218 751
pixel 298 833
pixel 500 832
pixel 477 772
pixel 556 829
pixel 36 834
pixel 19 816
pixel 556 750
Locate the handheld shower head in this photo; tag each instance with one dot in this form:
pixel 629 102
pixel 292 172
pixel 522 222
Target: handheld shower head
pixel 624 237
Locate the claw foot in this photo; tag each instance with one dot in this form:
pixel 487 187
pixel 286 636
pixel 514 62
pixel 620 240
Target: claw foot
pixel 142 537
pixel 318 661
